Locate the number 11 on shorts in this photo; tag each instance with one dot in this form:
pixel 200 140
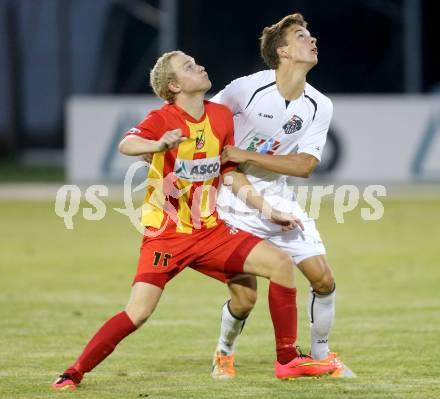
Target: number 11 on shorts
pixel 161 258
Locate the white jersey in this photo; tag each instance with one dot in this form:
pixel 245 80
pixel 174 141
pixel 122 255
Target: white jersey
pixel 265 122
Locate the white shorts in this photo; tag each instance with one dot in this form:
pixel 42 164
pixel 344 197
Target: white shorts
pixel 299 244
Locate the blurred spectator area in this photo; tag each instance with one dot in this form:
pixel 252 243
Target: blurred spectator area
pixel 52 49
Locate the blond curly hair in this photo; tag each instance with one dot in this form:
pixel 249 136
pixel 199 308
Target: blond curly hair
pixel 162 75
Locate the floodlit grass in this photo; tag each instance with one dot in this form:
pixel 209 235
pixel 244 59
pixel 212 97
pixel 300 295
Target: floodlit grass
pixel 58 286
pixel 12 171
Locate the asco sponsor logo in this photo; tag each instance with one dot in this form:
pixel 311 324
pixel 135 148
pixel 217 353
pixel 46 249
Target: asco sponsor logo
pixel 197 169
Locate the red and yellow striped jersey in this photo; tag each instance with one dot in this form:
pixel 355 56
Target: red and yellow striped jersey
pixel 182 183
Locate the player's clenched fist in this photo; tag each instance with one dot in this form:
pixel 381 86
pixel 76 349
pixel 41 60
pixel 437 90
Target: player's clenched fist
pixel 171 139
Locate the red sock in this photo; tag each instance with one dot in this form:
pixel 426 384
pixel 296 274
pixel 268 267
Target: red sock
pixel 101 345
pixel 282 305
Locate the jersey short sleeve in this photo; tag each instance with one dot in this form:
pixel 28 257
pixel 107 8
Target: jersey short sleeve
pixel 313 142
pixel 233 95
pixel 151 128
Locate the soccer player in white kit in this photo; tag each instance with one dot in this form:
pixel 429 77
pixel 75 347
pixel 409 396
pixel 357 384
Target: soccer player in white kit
pixel 281 124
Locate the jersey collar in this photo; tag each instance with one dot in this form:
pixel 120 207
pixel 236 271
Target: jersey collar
pixel 187 116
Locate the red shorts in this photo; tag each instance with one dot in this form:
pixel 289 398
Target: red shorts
pixel 219 252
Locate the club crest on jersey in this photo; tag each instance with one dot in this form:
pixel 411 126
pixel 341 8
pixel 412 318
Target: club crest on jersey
pixel 200 139
pixel 293 125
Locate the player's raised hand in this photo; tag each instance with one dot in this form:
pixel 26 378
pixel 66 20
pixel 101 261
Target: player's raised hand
pixel 287 221
pixel 233 154
pixel 171 139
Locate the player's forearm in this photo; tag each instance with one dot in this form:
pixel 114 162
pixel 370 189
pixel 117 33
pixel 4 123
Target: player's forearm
pixel 243 189
pixel 134 145
pixel 299 165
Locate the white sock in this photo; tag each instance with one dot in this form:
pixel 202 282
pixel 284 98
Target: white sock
pixel 321 314
pixel 230 329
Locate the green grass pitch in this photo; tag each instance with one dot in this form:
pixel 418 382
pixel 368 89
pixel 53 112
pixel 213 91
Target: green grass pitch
pixel 58 286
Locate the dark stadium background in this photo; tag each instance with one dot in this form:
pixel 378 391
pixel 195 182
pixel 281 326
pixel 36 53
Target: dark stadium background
pixel 52 49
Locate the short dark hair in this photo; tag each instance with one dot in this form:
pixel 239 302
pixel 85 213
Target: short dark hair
pixel 274 37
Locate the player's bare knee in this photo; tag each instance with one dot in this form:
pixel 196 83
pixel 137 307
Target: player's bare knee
pixel 325 285
pixel 139 314
pixel 140 319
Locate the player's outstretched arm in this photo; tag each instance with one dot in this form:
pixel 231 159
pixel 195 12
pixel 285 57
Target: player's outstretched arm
pixel 243 189
pixel 298 165
pixel 135 145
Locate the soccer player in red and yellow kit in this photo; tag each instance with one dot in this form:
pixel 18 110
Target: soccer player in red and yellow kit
pixel 182 229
